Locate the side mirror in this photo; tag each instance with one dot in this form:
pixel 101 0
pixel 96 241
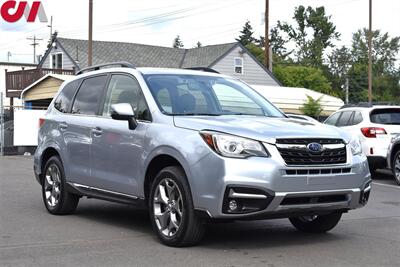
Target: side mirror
pixel 124 112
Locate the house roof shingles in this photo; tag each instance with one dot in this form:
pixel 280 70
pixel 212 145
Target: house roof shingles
pixel 143 55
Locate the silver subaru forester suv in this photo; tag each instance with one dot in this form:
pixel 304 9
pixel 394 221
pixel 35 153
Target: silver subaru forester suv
pixel 193 146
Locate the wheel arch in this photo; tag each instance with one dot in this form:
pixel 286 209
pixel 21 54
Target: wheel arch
pixel 46 155
pixel 163 158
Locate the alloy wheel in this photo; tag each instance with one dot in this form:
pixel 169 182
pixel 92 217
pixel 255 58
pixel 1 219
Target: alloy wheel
pixel 397 167
pixel 52 183
pixel 168 207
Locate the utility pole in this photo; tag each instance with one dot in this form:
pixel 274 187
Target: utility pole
pixel 266 39
pixel 34 44
pixel 370 54
pixel 90 44
pixel 51 28
pixel 347 90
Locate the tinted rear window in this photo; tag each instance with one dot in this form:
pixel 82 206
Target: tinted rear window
pixel 88 97
pixel 385 116
pixel 63 101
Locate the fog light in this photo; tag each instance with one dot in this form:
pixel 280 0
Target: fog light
pixel 233 205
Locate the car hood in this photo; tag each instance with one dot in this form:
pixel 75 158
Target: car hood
pixel 265 129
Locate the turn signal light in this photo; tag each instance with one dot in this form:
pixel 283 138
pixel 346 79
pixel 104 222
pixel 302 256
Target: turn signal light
pixel 371 132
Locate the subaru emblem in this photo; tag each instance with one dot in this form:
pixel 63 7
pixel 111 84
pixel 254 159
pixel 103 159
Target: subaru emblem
pixel 314 147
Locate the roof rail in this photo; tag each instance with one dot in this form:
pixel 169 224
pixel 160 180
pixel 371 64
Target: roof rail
pixel 122 64
pixel 368 105
pixel 203 69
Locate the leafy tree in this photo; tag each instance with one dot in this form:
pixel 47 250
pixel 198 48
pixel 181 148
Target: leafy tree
pixel 199 44
pixel 309 48
pixel 257 51
pixel 312 107
pixel 177 42
pixel 386 75
pixel 301 76
pixel 246 34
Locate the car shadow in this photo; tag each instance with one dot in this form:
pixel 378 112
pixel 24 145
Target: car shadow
pixel 231 236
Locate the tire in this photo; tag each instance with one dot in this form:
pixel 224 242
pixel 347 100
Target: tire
pixel 317 223
pixel 171 209
pixel 57 200
pixel 396 167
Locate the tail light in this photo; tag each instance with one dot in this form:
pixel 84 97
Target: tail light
pixel 41 122
pixel 371 132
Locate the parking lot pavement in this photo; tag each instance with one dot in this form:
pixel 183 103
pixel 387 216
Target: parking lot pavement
pixel 107 234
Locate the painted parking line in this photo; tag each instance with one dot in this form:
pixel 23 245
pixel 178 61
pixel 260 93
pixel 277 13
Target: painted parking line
pixel 387 185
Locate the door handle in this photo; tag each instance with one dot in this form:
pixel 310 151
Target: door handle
pixel 62 126
pixel 97 131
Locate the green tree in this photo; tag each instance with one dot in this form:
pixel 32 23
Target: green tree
pixel 386 75
pixel 177 42
pixel 257 51
pixel 311 34
pixel 306 77
pixel 246 34
pixel 312 107
pixel 198 44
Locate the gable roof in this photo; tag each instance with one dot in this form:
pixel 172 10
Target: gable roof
pixel 139 54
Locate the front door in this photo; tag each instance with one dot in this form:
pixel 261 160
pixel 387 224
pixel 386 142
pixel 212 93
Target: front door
pixel 117 151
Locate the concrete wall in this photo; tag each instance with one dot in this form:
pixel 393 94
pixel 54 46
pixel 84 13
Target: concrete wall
pixel 253 73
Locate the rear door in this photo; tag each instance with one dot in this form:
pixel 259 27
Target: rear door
pixel 117 151
pixel 77 129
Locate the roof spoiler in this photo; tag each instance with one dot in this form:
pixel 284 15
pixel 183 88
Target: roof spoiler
pixel 122 64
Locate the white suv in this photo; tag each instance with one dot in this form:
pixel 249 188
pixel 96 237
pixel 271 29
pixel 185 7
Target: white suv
pixel 374 125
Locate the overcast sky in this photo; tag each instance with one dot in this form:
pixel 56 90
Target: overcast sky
pixel 157 22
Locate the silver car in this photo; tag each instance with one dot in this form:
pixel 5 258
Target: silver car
pixel 193 146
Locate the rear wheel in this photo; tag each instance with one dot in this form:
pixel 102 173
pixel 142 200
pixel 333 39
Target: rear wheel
pixel 171 209
pixel 56 198
pixel 396 167
pixel 316 223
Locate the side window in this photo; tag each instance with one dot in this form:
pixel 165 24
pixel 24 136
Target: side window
pixel 89 94
pixel 125 89
pixel 333 119
pixel 344 119
pixel 64 99
pixel 357 118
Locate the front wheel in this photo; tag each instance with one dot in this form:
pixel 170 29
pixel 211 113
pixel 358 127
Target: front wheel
pixel 316 223
pixel 171 209
pixel 396 167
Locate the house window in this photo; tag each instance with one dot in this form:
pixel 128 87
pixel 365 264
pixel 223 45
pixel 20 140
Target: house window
pixel 238 65
pixel 56 61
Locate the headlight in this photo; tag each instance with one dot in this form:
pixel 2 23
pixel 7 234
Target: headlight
pixel 233 146
pixel 355 145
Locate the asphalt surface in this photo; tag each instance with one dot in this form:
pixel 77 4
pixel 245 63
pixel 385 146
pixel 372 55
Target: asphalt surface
pixel 107 234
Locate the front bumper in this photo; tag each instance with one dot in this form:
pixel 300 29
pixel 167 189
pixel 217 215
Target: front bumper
pixel 288 190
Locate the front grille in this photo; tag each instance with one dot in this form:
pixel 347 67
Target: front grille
pixel 313 200
pixel 318 171
pixel 295 152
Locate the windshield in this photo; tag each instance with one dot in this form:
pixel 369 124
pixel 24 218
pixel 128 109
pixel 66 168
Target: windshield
pixel 385 116
pixel 207 95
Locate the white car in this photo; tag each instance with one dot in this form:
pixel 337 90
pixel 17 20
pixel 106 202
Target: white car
pixel 374 125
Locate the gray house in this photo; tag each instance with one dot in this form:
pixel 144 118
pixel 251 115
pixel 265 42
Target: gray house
pixel 231 59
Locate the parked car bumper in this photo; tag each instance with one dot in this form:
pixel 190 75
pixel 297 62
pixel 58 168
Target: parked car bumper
pixel 267 187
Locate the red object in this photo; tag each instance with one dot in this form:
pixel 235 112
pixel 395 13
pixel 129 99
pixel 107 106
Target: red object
pixel 41 122
pixel 371 132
